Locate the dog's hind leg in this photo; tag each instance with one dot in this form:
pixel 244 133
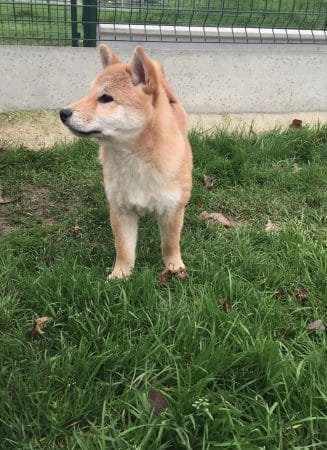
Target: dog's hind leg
pixel 124 227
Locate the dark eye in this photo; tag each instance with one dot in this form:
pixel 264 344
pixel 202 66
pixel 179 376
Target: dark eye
pixel 105 98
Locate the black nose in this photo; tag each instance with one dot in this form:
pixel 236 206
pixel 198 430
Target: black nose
pixel 65 114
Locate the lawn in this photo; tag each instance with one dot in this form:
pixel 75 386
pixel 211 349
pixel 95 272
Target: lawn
pixel 44 23
pixel 229 347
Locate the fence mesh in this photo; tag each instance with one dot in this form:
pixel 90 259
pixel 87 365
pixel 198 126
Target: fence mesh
pixel 84 22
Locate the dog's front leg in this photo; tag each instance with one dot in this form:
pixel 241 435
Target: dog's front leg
pixel 170 225
pixel 124 227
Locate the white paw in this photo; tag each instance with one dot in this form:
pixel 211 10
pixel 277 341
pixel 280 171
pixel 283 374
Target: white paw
pixel 175 266
pixel 119 274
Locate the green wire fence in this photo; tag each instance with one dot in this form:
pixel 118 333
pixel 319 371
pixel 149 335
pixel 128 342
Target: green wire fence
pixel 85 22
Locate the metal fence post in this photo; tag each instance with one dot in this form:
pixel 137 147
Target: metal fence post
pixel 90 8
pixel 73 14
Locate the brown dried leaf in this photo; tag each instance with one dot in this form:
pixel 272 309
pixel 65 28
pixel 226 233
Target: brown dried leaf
pixel 208 181
pixel 218 218
pixel 301 294
pixel 317 325
pixel 157 401
pixel 272 226
pixel 39 324
pixel 165 276
pixel 168 274
pixel 77 230
pixel 296 123
pixel 225 304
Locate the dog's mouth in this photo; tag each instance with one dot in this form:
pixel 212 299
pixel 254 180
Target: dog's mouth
pixel 79 133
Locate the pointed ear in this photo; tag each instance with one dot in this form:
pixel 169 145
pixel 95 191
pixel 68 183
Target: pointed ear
pixel 144 71
pixel 107 56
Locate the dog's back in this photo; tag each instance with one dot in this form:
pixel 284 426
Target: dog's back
pixel 178 110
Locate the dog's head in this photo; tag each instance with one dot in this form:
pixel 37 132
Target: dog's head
pixel 121 99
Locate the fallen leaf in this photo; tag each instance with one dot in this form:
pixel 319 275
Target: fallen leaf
pixel 157 401
pixel 301 294
pixel 225 304
pixel 168 274
pixel 77 230
pixel 218 218
pixel 272 226
pixel 296 123
pixel 208 181
pixel 317 325
pixel 39 324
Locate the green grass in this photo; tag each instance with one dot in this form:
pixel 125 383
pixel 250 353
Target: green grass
pixel 50 24
pixel 84 384
pixel 36 23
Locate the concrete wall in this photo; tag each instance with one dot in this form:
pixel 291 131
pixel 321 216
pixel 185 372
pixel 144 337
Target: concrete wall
pixel 212 78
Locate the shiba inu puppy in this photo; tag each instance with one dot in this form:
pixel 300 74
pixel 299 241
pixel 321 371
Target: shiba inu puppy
pixel 144 151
